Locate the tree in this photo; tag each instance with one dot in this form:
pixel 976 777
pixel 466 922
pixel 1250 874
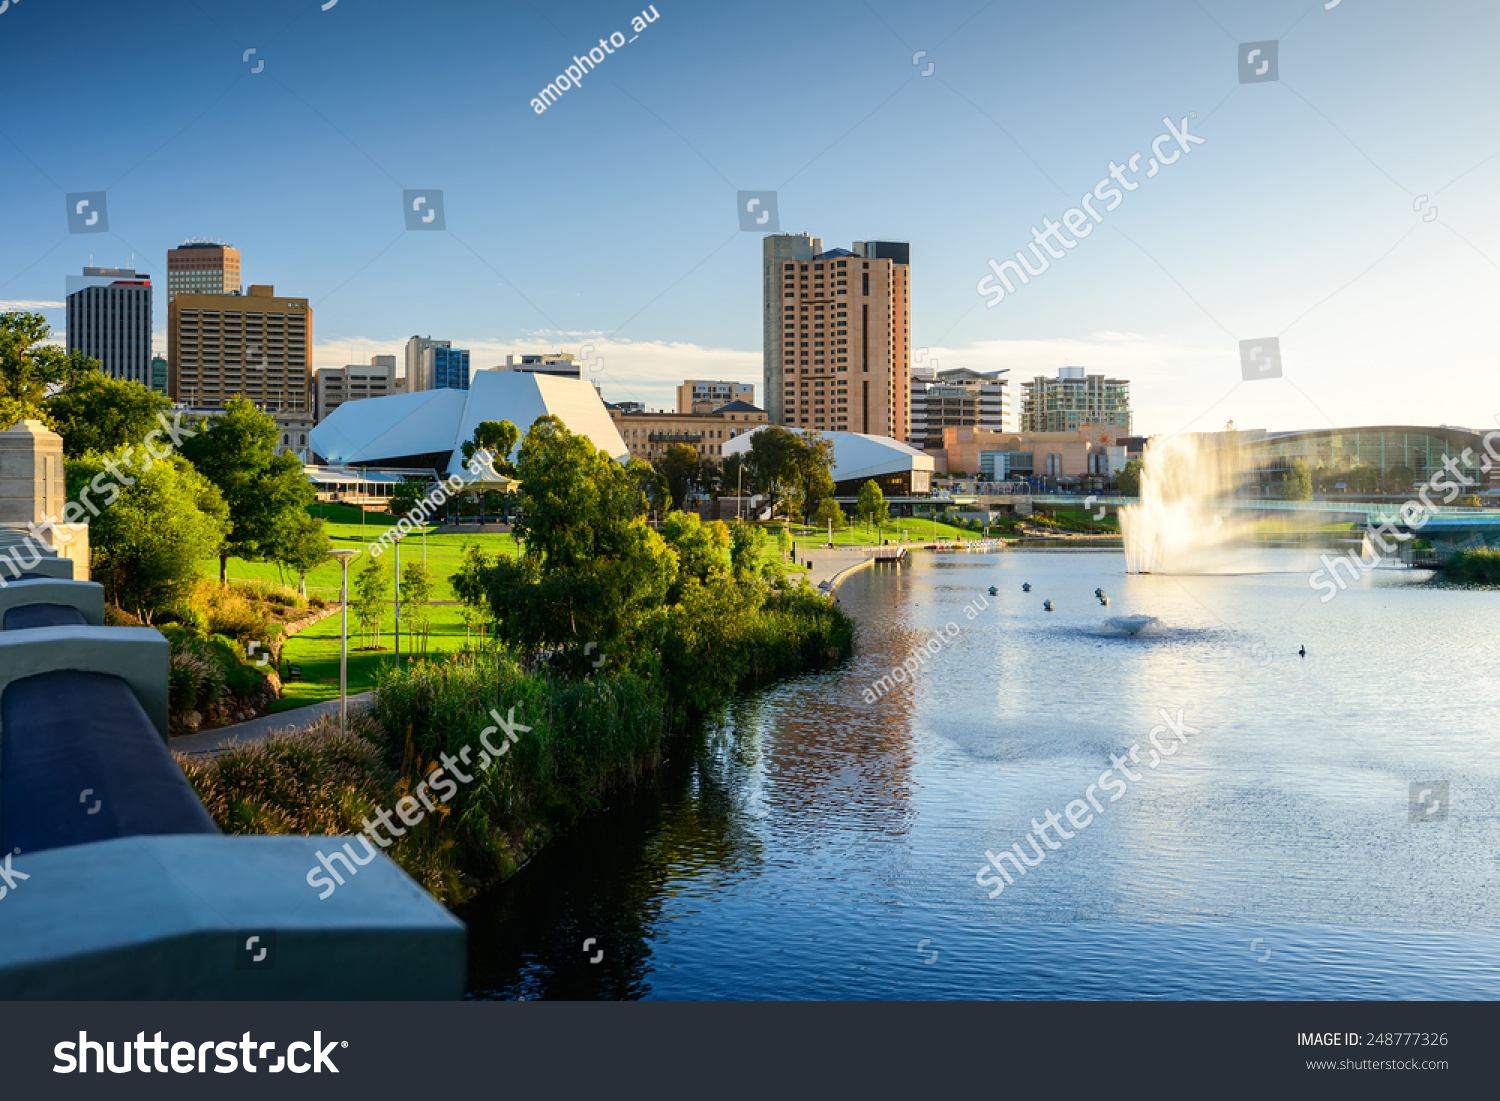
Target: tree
pixel 734 476
pixel 679 466
pixel 1363 479
pixel 99 413
pixel 814 458
pixel 151 540
pixel 747 548
pixel 655 493
pixel 30 368
pixel 301 546
pixel 773 461
pixel 1400 478
pixel 830 513
pixel 702 550
pixel 1299 482
pixel 870 507
pixel 499 439
pixel 406 494
pixel 1128 480
pixel 707 477
pixel 372 586
pixel 416 594
pixel 591 571
pixel 236 451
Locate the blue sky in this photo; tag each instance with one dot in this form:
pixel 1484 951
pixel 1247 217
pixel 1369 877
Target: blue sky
pixel 610 219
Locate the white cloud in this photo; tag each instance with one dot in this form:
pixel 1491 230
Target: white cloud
pixel 28 305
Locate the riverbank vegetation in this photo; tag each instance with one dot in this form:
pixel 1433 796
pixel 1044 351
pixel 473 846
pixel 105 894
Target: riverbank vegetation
pixel 1481 566
pixel 602 641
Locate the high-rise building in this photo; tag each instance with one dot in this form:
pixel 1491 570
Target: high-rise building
pixel 202 267
pixel 336 385
pixel 956 398
pixel 695 393
pixel 1075 399
pixel 159 373
pixel 109 319
pixel 556 364
pixel 435 365
pixel 837 342
pixel 256 345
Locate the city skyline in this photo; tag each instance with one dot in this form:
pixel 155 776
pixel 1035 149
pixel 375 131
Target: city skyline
pixel 1340 207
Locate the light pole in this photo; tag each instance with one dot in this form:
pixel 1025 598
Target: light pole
pixel 343 555
pixel 396 542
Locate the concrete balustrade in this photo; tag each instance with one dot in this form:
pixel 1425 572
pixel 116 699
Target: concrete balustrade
pixel 85 597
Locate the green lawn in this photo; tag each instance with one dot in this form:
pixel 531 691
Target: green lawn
pixel 916 529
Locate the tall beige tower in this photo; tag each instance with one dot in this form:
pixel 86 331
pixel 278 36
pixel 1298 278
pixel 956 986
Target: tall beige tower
pixel 202 267
pixel 837 349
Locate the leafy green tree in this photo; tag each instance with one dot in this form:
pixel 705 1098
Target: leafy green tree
pixel 236 451
pixel 301 546
pixel 828 513
pixel 470 584
pixel 1299 482
pixel 150 541
pixel 99 413
pixel 406 494
pixel 372 588
pixel 30 367
pixel 774 461
pixel 499 438
pixel 707 477
pixel 747 549
pixel 591 571
pixel 655 495
pixel 416 594
pixel 1128 480
pixel 702 550
pixel 814 459
pixel 678 466
pixel 734 477
pixel 1363 479
pixel 870 508
pixel 1400 478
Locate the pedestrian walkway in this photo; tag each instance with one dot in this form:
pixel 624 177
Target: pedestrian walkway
pixel 212 742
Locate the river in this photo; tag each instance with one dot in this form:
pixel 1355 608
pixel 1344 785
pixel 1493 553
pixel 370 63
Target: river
pixel 1325 827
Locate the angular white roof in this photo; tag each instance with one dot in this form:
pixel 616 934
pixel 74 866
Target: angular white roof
pixel 856 455
pixel 377 430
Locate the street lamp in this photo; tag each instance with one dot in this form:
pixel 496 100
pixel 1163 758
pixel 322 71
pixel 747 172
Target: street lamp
pixel 343 555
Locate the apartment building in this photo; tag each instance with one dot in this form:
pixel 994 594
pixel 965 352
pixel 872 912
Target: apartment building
pixel 337 385
pixel 837 336
pixel 202 267
pixel 706 395
pixel 648 435
pixel 257 345
pixel 1075 399
pixel 435 365
pixel 556 364
pixel 957 398
pixel 109 319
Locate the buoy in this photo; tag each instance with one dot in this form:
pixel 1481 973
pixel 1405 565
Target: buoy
pixel 1098 592
pixel 1026 587
pixel 1047 604
pixel 994 591
pixel 1302 652
pixel 1104 600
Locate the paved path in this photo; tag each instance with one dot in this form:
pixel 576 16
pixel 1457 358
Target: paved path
pixel 211 742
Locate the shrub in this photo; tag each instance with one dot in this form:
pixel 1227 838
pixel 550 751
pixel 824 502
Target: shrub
pixel 1481 566
pixel 195 678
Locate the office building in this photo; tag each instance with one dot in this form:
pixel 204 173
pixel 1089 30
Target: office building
pixel 837 339
pixel 649 435
pixel 355 382
pixel 1075 399
pixel 556 364
pixel 956 398
pixel 159 373
pixel 257 345
pixel 702 395
pixel 202 267
pixel 109 319
pixel 435 365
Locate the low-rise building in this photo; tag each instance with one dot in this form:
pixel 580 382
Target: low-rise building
pixel 648 435
pixel 556 364
pixel 1047 457
pixel 336 385
pixel 957 398
pixel 694 393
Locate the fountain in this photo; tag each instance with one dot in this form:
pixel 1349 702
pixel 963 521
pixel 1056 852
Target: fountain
pixel 1177 527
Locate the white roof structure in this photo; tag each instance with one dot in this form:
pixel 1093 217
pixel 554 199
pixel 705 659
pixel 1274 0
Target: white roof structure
pixel 376 431
pixel 855 455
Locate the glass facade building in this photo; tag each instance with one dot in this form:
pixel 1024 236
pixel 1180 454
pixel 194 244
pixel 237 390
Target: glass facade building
pixel 1380 448
pixel 450 368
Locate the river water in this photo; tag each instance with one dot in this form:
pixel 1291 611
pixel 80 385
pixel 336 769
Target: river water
pixel 1326 826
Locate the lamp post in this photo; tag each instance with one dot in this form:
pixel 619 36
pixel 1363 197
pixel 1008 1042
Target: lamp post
pixel 343 555
pixel 396 542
